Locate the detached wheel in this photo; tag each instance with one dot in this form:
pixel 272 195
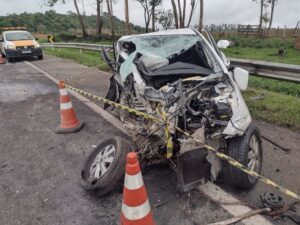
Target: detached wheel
pixel 247 150
pixel 105 165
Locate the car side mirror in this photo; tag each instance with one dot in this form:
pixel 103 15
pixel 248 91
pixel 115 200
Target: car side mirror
pixel 241 78
pixel 1 39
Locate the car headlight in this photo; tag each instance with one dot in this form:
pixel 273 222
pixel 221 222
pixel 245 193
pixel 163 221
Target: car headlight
pixel 11 47
pixel 37 45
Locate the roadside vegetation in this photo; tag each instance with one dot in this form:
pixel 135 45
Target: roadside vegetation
pixel 266 54
pixel 266 49
pixel 86 57
pixel 273 107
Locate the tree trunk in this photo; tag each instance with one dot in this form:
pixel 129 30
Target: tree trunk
pixel 127 17
pixel 272 14
pixel 191 12
pixel 84 33
pixel 261 16
pixel 175 14
pixel 201 15
pixel 110 20
pixel 180 14
pixel 153 17
pixel 99 19
pixel 183 13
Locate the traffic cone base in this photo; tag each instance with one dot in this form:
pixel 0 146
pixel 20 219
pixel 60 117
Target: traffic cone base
pixel 69 122
pixel 60 130
pixel 136 208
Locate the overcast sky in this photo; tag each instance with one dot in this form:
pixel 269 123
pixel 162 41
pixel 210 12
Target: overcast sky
pixel 287 12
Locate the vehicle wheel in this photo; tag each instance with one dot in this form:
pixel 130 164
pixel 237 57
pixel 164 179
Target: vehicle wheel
pixel 105 165
pixel 9 59
pixel 40 57
pixel 3 56
pixel 247 150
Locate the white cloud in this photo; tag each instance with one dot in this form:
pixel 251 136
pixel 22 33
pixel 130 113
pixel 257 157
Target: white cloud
pixel 216 11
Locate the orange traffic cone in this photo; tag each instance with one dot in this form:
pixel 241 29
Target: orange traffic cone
pixel 68 120
pixel 2 61
pixel 135 206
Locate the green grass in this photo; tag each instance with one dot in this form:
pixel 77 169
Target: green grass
pixel 266 54
pixel 275 108
pixel 87 58
pixel 283 87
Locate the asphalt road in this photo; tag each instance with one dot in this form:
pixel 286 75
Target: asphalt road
pixel 39 170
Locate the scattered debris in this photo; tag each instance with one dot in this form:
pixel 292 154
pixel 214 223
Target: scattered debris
pixel 272 200
pixel 277 145
pixel 243 216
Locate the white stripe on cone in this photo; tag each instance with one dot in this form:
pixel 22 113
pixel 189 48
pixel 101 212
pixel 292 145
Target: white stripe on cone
pixel 64 106
pixel 133 182
pixel 136 213
pixel 63 92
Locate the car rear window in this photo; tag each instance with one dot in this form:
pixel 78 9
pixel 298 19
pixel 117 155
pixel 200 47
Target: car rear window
pixel 18 36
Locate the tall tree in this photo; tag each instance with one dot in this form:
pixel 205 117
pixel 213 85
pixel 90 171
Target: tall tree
pixel 183 12
pixel 175 13
pixel 201 15
pixel 180 14
pixel 84 33
pixel 192 11
pixel 166 19
pixel 154 4
pixel 111 22
pixel 99 23
pixel 272 2
pixel 127 17
pixel 262 3
pixel 79 16
pixel 147 13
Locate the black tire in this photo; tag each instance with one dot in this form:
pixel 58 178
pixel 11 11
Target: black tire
pixel 9 59
pixel 40 57
pixel 115 171
pixel 238 148
pixel 3 56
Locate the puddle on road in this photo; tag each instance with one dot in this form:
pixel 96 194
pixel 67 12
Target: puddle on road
pixel 17 92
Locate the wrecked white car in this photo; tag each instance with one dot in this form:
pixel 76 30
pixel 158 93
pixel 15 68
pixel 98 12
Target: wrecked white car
pixel 182 78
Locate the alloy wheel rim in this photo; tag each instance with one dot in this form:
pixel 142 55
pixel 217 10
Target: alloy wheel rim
pixel 254 156
pixel 102 162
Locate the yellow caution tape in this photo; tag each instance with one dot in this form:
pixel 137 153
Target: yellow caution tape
pixel 169 143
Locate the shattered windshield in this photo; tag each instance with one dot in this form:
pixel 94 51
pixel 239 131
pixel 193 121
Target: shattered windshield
pixel 163 45
pixel 160 46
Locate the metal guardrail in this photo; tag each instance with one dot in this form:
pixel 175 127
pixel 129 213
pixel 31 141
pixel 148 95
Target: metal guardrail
pixel 279 71
pixel 84 46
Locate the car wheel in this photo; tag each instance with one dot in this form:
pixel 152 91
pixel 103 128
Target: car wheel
pixel 9 59
pixel 247 150
pixel 40 57
pixel 105 166
pixel 3 56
